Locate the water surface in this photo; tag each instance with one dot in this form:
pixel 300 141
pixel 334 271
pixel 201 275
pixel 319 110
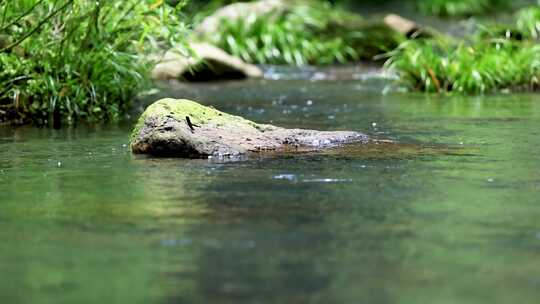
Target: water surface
pixel 82 220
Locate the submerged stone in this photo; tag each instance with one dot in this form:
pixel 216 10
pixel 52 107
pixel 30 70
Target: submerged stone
pixel 184 128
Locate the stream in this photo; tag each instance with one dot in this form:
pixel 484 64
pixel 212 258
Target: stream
pixel 451 216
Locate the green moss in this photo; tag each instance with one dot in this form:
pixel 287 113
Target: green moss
pixel 198 114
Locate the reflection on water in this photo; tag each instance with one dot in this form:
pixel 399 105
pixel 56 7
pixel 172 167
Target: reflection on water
pixel 447 215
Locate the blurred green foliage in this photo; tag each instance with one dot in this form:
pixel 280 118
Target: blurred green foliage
pixel 528 22
pixel 498 57
pixel 306 33
pixel 460 8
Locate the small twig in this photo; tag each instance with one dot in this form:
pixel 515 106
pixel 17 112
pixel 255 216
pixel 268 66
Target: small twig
pixel 190 125
pixel 434 79
pixel 7 83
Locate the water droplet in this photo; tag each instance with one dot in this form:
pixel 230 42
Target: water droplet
pixel 373 124
pixel 331 117
pixel 309 102
pixel 328 180
pixel 124 146
pixel 59 164
pixel 490 180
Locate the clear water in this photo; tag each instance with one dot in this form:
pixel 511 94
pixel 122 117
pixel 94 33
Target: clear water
pixel 449 216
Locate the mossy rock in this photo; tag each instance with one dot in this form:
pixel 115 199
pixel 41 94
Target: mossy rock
pixel 184 128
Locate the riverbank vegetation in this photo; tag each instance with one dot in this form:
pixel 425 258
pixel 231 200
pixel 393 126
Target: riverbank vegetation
pixel 67 60
pixel 79 59
pixel 480 67
pixel 306 33
pixel 497 58
pixel 528 22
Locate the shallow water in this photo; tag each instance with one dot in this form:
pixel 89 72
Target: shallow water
pixel 450 216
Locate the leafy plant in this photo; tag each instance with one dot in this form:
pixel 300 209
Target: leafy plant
pixel 312 33
pixel 66 59
pixel 481 67
pixel 499 57
pixel 528 21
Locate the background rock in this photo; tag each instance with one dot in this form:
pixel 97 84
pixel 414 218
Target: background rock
pixel 207 63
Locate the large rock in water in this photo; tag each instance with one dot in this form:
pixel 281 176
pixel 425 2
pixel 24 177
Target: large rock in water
pixel 184 128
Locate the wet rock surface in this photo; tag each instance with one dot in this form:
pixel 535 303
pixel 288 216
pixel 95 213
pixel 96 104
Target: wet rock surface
pixel 184 128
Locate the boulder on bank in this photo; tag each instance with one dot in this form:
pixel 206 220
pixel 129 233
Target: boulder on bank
pixel 207 63
pixel 184 128
pixel 411 29
pixel 404 26
pixel 237 11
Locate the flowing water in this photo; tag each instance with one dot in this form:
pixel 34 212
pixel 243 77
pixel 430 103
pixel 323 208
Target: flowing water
pixel 449 215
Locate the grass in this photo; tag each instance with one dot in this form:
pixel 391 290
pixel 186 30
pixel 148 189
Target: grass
pixel 480 67
pixel 499 57
pixel 460 8
pixel 311 33
pixel 528 22
pixel 66 60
